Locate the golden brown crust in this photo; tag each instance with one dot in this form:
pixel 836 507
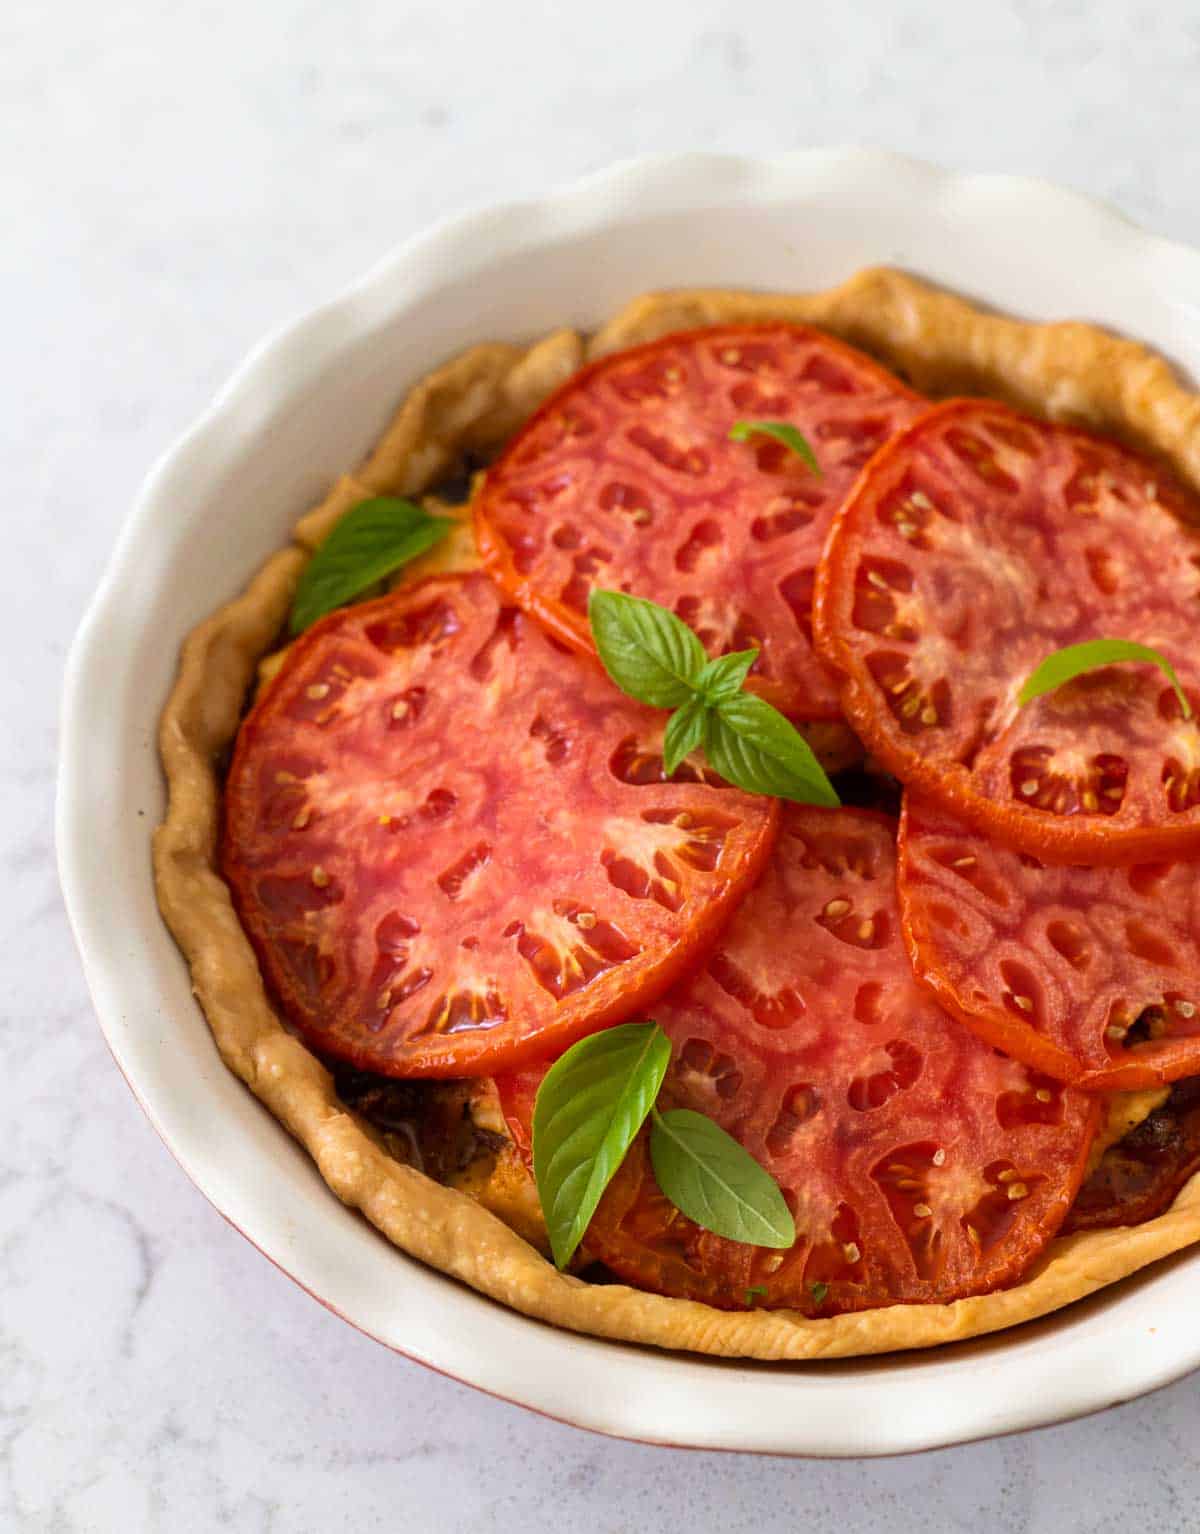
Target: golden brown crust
pixel 944 345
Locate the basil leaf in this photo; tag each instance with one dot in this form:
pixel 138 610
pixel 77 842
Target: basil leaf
pixel 1066 664
pixel 819 1291
pixel 709 1177
pixel 722 677
pixel 589 1107
pixel 742 431
pixel 753 746
pixel 758 1292
pixel 371 540
pixel 684 734
pixel 648 652
pixel 653 656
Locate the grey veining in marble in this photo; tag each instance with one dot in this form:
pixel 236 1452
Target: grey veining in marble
pixel 178 179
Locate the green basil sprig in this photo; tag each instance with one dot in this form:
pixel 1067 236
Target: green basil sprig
pixel 781 431
pixel 371 541
pixel 653 656
pixel 589 1108
pixel 1072 661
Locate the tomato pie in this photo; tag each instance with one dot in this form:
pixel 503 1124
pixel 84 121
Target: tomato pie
pixel 698 834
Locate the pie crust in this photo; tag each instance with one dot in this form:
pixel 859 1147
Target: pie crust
pixel 943 345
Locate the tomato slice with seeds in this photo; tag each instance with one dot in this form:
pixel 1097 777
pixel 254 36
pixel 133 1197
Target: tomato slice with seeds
pixel 626 478
pixel 977 543
pixel 1138 1177
pixel 453 844
pixel 920 1164
pixel 1089 974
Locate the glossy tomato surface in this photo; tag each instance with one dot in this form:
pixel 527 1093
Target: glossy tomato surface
pixel 627 479
pixel 1091 974
pixel 451 843
pixel 980 542
pixel 920 1164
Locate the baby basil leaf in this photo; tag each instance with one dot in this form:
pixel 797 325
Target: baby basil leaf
pixel 742 431
pixel 648 652
pixel 1066 664
pixel 753 746
pixel 684 733
pixel 709 1177
pixel 819 1292
pixel 372 540
pixel 722 677
pixel 589 1107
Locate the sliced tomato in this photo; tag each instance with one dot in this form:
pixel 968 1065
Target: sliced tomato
pixel 1138 1177
pixel 626 478
pixel 978 543
pixel 1089 974
pixel 920 1164
pixel 452 843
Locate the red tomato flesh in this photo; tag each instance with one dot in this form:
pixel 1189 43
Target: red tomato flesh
pixel 1089 974
pixel 977 543
pixel 920 1165
pixel 452 844
pixel 626 479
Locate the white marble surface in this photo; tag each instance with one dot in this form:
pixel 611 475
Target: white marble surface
pixel 176 180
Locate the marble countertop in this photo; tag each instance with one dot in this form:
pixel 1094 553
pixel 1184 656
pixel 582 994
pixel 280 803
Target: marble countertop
pixel 178 180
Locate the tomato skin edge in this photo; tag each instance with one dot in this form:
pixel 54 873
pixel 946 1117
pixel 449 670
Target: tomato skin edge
pixel 475 1058
pixel 453 1061
pixel 648 1268
pixel 996 1028
pixel 990 1024
pixel 946 783
pixel 557 620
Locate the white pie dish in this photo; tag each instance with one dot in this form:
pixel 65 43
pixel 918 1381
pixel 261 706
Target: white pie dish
pixel 226 496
